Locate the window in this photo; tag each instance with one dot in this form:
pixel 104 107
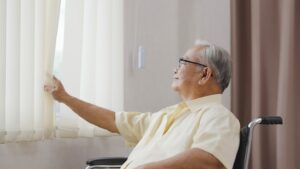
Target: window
pixel 89 62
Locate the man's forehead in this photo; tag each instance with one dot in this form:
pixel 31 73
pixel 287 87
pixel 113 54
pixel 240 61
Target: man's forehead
pixel 198 48
pixel 195 52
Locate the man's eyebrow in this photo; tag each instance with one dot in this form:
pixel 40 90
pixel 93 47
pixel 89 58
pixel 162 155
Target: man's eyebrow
pixel 183 57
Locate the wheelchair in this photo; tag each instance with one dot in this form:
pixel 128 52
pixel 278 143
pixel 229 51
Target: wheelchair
pixel 241 160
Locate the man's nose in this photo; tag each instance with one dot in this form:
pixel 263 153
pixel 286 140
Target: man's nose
pixel 175 70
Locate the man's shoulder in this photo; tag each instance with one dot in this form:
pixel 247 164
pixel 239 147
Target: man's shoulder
pixel 217 107
pixel 219 112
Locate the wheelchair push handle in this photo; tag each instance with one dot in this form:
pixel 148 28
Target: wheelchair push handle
pixel 271 120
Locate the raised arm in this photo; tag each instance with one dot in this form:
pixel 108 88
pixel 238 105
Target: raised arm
pixel 96 115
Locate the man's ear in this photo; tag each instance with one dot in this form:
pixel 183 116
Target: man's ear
pixel 206 73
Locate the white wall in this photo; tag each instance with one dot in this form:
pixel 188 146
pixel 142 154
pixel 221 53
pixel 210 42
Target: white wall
pixel 166 28
pixel 59 154
pixel 205 19
pixel 156 29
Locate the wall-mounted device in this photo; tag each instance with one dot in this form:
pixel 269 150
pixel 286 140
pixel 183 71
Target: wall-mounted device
pixel 141 57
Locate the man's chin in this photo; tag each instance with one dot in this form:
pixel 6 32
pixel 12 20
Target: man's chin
pixel 174 86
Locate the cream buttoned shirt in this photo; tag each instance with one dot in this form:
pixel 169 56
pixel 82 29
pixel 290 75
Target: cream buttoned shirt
pixel 202 123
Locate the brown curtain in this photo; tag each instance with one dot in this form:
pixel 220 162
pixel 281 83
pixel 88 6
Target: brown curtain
pixel 266 77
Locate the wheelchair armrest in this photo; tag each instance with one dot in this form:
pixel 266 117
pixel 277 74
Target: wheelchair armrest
pixel 271 120
pixel 107 161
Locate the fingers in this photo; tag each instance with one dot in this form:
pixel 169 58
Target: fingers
pixel 49 88
pixel 53 86
pixel 57 83
pixel 54 77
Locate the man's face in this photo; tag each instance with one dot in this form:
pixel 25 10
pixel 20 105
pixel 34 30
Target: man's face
pixel 187 75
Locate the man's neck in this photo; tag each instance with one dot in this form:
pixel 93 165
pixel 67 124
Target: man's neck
pixel 192 97
pixel 200 93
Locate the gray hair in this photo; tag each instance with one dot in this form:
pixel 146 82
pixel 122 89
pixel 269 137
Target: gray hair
pixel 219 61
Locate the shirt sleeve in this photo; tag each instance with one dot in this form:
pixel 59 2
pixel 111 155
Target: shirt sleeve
pixel 132 125
pixel 218 134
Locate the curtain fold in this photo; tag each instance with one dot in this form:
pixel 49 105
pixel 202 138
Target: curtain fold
pixel 265 36
pixel 28 34
pixel 91 65
pixel 2 69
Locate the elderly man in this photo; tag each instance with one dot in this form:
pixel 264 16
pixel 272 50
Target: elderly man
pixel 198 133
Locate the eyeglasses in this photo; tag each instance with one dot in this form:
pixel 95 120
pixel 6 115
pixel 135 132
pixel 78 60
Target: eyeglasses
pixel 184 61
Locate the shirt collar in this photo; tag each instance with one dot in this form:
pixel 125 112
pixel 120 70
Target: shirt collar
pixel 196 104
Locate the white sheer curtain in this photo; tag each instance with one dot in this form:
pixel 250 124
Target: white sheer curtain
pixel 27 44
pixel 90 61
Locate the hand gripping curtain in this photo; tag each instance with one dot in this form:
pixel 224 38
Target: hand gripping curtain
pixel 27 44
